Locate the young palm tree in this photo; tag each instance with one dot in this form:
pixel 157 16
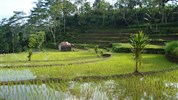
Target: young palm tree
pixel 138 41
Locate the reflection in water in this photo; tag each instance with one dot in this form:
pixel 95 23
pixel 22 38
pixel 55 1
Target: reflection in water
pixel 2 65
pixel 44 92
pixel 103 90
pixel 15 75
pixel 28 92
pixel 171 84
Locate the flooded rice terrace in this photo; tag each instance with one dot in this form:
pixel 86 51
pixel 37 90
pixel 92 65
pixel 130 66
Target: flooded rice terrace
pixel 15 75
pixel 36 83
pixel 97 90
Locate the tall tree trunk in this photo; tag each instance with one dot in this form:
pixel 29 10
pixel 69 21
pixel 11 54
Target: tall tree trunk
pixel 64 15
pixel 125 19
pixel 13 41
pixel 172 17
pixel 64 23
pixel 103 19
pixel 137 19
pixel 162 18
pixel 114 20
pixel 53 35
pixel 54 40
pixel 163 15
pixel 156 28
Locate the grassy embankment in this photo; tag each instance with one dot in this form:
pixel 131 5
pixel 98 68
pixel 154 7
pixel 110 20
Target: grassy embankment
pixel 67 65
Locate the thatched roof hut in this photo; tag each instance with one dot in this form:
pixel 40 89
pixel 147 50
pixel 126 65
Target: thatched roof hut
pixel 64 46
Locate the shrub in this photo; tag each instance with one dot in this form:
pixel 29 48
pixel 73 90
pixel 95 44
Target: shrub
pixel 96 49
pixel 121 50
pixel 175 51
pixel 171 50
pixel 30 52
pixel 171 47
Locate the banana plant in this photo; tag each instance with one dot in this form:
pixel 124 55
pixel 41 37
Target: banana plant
pixel 138 42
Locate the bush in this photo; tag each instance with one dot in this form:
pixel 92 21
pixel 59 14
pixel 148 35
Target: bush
pixel 171 47
pixel 96 49
pixel 154 51
pixel 171 50
pixel 122 50
pixel 175 51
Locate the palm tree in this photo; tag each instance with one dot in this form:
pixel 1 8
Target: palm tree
pixel 138 41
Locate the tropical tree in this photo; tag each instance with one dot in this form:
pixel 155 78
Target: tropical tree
pixel 31 45
pixel 138 42
pixel 35 41
pixel 68 9
pixel 12 30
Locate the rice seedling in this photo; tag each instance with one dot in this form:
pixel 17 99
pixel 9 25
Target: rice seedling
pixel 156 86
pixel 46 56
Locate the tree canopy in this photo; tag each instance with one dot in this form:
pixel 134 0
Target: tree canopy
pixel 60 17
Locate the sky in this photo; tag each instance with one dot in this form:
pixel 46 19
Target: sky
pixel 8 6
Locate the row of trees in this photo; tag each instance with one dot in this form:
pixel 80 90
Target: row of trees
pixel 58 18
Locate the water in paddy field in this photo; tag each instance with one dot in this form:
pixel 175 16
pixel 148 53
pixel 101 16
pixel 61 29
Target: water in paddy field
pixel 45 92
pixel 2 65
pixel 15 75
pixel 105 90
pixel 28 92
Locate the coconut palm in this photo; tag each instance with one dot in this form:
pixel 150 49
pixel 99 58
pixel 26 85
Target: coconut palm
pixel 138 41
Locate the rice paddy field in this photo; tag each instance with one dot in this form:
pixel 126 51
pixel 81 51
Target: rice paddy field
pixel 81 75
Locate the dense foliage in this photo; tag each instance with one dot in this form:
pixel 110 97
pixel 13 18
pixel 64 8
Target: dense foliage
pixel 59 18
pixel 172 48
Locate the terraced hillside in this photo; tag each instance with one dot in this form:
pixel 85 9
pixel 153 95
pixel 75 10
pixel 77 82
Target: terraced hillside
pixel 108 38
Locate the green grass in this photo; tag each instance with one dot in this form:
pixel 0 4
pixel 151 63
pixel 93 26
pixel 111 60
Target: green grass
pixel 120 63
pixel 157 86
pixel 37 63
pixel 53 55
